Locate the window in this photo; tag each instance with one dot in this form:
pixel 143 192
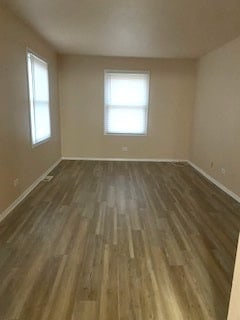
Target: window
pixel 39 99
pixel 126 102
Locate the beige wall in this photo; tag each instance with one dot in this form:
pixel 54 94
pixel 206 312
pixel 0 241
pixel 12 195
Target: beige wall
pixel 172 90
pixel 208 134
pixel 17 158
pixel 216 123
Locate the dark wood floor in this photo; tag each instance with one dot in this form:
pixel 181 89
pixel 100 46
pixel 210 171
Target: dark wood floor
pixel 119 241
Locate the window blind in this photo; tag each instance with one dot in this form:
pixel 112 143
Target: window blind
pixel 126 102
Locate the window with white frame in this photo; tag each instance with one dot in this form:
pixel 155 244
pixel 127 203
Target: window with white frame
pixel 126 102
pixel 39 99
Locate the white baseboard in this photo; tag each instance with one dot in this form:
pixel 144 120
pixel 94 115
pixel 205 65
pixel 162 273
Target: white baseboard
pixel 36 182
pixel 202 172
pixel 27 191
pixel 124 159
pixel 217 183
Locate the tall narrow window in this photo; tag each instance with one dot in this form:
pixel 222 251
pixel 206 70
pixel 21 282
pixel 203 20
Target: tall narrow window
pixel 126 102
pixel 39 99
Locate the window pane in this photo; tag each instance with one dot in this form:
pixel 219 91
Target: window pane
pixel 39 98
pixel 126 120
pixel 42 121
pixel 127 89
pixel 126 102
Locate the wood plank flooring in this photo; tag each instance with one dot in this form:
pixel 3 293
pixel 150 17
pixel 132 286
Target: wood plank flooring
pixel 119 241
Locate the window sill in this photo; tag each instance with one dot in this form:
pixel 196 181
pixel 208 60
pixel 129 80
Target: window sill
pixel 126 134
pixel 35 145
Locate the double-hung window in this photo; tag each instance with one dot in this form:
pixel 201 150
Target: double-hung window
pixel 126 102
pixel 39 99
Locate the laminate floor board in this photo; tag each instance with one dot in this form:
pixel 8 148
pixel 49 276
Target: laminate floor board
pixel 119 241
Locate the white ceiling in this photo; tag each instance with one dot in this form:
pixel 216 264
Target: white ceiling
pixel 137 28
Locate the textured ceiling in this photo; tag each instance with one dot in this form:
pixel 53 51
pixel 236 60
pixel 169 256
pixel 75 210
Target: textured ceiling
pixel 137 28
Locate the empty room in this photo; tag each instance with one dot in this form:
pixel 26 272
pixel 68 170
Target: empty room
pixel 119 160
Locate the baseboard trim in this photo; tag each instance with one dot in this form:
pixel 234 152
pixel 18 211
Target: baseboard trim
pixel 214 181
pixel 124 159
pixel 4 214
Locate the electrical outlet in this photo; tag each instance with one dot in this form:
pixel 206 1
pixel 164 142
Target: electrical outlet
pixel 124 149
pixel 223 170
pixel 15 182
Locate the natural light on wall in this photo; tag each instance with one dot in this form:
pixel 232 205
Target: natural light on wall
pixel 126 102
pixel 39 99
